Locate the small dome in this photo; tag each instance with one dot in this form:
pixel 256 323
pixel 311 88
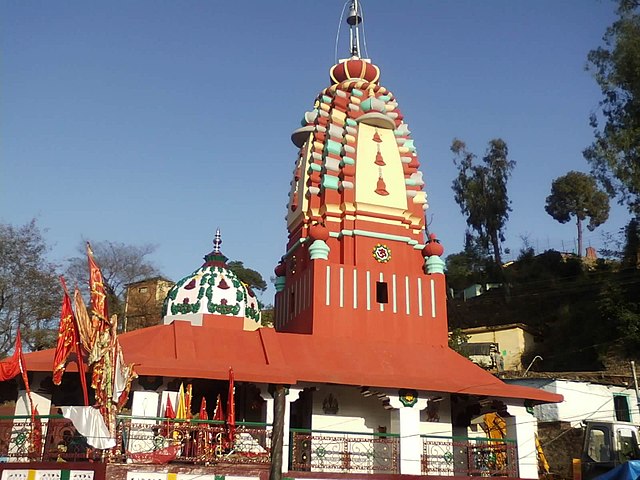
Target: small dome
pixel 213 289
pixel 354 69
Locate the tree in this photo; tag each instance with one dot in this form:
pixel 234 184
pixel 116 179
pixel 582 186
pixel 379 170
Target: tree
pixel 30 294
pixel 468 266
pixel 247 275
pixel 120 265
pixel 576 194
pixel 481 192
pixel 614 155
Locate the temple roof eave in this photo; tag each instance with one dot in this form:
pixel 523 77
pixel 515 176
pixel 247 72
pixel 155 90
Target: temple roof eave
pixel 267 356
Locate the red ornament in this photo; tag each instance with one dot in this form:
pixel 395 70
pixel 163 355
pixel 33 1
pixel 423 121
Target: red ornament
pixel 280 270
pixel 433 247
pixel 319 231
pixel 354 69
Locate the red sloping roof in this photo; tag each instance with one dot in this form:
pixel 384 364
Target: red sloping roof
pixel 184 350
pixel 422 367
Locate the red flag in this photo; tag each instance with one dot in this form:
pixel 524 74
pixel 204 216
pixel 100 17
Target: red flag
pixel 10 367
pixel 67 337
pixel 168 411
pixel 99 312
pixel 231 408
pixel 36 434
pixel 218 414
pixel 203 410
pixel 68 341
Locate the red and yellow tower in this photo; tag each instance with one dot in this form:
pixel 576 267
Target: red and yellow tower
pixel 354 264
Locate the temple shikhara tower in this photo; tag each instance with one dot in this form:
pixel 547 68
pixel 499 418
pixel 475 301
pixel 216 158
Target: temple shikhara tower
pixel 355 261
pixel 356 375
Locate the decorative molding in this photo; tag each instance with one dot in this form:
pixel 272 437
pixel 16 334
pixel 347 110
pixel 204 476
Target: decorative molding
pixel 408 397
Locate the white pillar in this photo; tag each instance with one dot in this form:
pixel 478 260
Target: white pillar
pixel 522 427
pixel 291 397
pixel 410 441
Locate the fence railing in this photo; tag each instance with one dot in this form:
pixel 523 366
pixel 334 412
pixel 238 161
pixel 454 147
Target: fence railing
pixel 462 456
pixel 329 451
pixel 138 440
pixel 162 440
pixel 151 440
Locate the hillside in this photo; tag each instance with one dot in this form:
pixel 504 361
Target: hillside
pixel 585 315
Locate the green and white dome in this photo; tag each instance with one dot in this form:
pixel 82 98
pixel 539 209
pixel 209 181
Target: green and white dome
pixel 212 289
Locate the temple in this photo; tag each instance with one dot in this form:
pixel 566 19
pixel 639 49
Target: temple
pixel 359 344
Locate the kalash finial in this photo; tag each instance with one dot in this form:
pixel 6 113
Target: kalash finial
pixel 354 19
pixel 355 67
pixel 216 257
pixel 217 242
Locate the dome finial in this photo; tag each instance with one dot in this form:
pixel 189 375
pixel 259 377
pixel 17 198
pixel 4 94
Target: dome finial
pixel 217 242
pixel 216 257
pixel 354 19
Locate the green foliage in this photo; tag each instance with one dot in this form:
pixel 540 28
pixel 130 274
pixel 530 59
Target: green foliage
pixel 621 314
pixel 267 315
pixel 30 294
pixel 577 195
pixel 614 155
pixel 481 192
pixel 247 275
pixel 631 251
pixel 469 266
pixel 457 338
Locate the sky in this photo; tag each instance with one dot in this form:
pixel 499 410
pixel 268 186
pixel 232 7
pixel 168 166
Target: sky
pixel 158 121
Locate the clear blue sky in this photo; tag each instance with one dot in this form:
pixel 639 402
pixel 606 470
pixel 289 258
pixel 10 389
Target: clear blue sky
pixel 158 121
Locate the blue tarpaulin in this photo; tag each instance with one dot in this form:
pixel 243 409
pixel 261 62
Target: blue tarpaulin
pixel 627 471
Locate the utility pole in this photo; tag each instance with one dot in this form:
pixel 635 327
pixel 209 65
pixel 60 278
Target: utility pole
pixel 635 382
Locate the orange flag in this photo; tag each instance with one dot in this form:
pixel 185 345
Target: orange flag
pixel 84 322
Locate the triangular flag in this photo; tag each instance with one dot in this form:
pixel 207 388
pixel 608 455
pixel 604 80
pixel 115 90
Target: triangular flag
pixel 181 411
pixel 203 410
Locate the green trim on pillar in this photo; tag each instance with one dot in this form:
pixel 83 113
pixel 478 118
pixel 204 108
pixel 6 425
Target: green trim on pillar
pixel 329 181
pixel 356 92
pixel 333 147
pixel 348 161
pixel 315 167
pixel 408 397
pixel 65 474
pixel 351 122
pixel 319 250
pixel 383 236
pixel 434 264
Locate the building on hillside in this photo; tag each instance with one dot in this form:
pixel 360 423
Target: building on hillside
pixel 357 374
pixel 499 347
pixel 594 396
pixel 477 289
pixel 143 302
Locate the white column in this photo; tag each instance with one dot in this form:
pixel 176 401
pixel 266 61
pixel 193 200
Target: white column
pixel 291 397
pixel 522 427
pixel 410 441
